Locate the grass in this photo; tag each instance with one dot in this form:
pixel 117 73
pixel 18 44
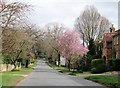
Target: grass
pixel 11 78
pixel 64 70
pixel 60 68
pixel 110 81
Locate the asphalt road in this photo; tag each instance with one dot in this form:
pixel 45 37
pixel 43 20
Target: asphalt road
pixel 43 75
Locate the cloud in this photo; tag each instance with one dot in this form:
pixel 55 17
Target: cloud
pixel 66 11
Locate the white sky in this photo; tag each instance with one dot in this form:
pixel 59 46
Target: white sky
pixel 66 11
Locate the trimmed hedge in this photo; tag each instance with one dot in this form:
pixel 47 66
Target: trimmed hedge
pixel 98 66
pixel 96 62
pixel 99 69
pixel 114 64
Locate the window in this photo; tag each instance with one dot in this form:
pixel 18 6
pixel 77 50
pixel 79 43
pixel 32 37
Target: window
pixel 114 41
pixel 117 40
pixel 117 54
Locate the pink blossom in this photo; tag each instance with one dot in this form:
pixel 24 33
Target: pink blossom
pixel 70 43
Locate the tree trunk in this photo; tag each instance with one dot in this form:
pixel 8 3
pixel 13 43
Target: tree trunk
pixel 69 65
pixel 58 59
pixel 14 66
pixel 26 65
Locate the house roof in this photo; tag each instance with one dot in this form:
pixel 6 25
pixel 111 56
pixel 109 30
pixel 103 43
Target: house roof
pixel 108 36
pixel 117 32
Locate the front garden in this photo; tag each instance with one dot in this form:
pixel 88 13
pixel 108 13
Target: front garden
pixel 11 78
pixel 106 74
pixel 109 81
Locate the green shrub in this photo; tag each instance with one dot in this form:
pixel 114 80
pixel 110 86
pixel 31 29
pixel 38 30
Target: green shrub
pixel 94 70
pixel 117 64
pixel 85 63
pixel 96 62
pixel 99 69
pixel 6 60
pixel 15 70
pixel 98 66
pixel 80 71
pixel 114 64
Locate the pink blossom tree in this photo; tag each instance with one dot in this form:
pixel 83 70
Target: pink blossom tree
pixel 70 44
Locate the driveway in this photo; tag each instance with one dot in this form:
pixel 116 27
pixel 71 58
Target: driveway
pixel 43 75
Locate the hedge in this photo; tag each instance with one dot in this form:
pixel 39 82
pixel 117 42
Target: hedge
pixel 114 64
pixel 98 66
pixel 99 69
pixel 96 62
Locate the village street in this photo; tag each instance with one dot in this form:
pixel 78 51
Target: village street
pixel 43 75
pixel 60 43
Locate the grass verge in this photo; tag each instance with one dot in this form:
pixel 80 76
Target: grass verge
pixel 11 78
pixel 60 68
pixel 64 70
pixel 109 81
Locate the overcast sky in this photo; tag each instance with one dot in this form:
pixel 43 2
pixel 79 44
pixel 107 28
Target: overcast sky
pixel 66 11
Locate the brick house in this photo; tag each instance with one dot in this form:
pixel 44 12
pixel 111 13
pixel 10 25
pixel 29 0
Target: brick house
pixel 110 44
pixel 116 45
pixel 107 45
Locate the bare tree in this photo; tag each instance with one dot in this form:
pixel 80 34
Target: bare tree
pixel 11 13
pixel 12 44
pixel 18 42
pixel 91 24
pixel 10 16
pixel 48 41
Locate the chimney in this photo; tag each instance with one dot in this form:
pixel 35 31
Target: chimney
pixel 112 29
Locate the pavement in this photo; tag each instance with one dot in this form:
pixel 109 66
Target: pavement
pixel 43 75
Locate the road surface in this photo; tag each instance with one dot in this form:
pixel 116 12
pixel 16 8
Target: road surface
pixel 43 75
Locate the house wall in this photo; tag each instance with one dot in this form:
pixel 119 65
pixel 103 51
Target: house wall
pixel 116 46
pixel 4 67
pixel 107 52
pixel 62 61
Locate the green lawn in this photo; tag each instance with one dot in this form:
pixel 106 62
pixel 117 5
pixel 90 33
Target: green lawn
pixel 110 81
pixel 60 68
pixel 11 78
pixel 64 70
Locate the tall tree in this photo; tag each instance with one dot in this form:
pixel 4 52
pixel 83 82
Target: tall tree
pixel 92 47
pixel 17 40
pixel 54 31
pixel 91 24
pixel 11 13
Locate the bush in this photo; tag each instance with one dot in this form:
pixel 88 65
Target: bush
pixel 6 60
pixel 114 64
pixel 98 66
pixel 99 69
pixel 96 62
pixel 80 71
pixel 94 70
pixel 85 63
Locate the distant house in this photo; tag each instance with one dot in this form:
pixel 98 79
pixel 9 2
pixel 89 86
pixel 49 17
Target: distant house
pixel 107 45
pixel 116 45
pixel 110 44
pixel 62 61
